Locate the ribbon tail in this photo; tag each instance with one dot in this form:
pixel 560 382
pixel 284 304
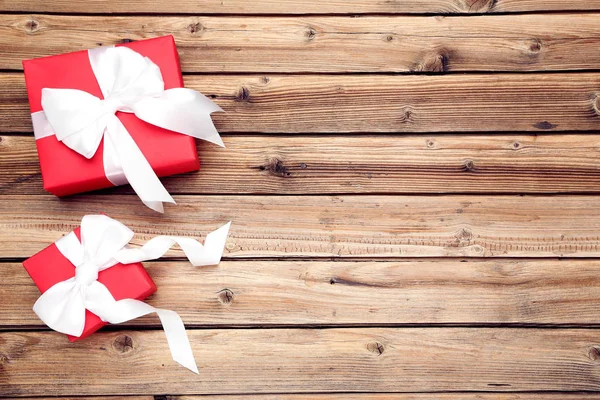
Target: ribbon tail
pixel 182 110
pixel 101 302
pixel 199 255
pixel 136 168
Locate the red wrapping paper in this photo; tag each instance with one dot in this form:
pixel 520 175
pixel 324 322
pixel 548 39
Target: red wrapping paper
pixel 66 172
pixel 124 281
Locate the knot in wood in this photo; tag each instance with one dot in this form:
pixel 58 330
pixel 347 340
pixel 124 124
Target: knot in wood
pixel 594 353
pixel 469 166
pixel 596 104
pixel 535 46
pixel 430 143
pixel 275 166
pixel 123 344
pixel 407 115
pixel 225 296
pixel 32 25
pixel 310 33
pixel 376 348
pixel 195 28
pixel 438 63
pixel 479 6
pixel 243 94
pixel 544 125
pixel 464 234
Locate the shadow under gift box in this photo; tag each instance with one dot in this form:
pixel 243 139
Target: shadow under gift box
pixel 65 171
pixel 123 281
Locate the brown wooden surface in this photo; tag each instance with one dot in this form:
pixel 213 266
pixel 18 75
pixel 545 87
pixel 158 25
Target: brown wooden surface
pixel 331 164
pixel 301 360
pixel 296 6
pixel 377 103
pixel 377 152
pixel 529 42
pixel 295 293
pixel 329 226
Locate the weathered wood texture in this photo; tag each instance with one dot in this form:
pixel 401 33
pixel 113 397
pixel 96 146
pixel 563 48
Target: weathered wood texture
pixel 288 293
pixel 304 360
pixel 377 103
pixel 361 164
pixel 296 6
pixel 530 42
pixel 330 226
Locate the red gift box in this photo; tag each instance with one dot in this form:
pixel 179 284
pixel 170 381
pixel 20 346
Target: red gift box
pixel 64 171
pixel 124 281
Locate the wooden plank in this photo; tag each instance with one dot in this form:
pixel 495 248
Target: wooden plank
pixel 297 6
pixel 377 103
pixel 529 42
pixel 329 226
pixel 362 164
pixel 289 293
pixel 304 360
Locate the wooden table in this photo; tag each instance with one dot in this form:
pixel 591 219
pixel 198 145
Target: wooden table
pixel 413 189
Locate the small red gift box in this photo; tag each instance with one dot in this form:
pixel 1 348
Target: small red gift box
pixel 124 281
pixel 66 172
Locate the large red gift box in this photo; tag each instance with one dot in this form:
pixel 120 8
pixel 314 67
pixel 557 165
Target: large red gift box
pixel 66 172
pixel 124 281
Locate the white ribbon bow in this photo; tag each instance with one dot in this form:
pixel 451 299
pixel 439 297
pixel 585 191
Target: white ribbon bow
pixel 103 244
pixel 130 83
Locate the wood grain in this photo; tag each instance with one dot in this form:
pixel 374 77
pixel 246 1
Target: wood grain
pixel 329 226
pixel 296 6
pixel 436 163
pixel 304 360
pixel 529 42
pixel 292 293
pixel 377 103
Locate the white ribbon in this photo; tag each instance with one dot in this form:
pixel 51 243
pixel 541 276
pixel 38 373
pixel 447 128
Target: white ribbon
pixel 129 83
pixel 103 244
